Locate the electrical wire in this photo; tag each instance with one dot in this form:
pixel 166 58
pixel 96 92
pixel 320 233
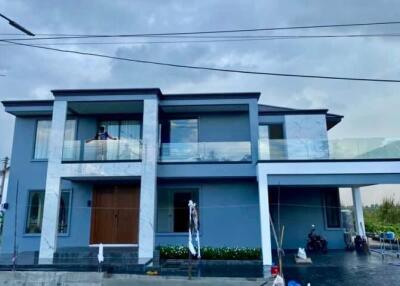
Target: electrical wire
pixel 217 40
pixel 208 32
pixel 248 72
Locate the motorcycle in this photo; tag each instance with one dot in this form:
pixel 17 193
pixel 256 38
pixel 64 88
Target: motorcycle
pixel 316 243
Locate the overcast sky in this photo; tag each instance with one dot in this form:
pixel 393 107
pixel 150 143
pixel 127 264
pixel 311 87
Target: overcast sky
pixel 369 109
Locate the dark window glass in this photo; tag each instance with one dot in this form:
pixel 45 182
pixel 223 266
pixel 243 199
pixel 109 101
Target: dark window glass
pixel 63 216
pixel 173 210
pixel 276 131
pixel 272 145
pixel 35 212
pixel 332 208
pixel 181 210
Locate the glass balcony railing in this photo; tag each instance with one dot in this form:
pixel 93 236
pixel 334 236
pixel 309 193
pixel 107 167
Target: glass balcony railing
pixel 205 152
pixel 340 149
pixel 102 150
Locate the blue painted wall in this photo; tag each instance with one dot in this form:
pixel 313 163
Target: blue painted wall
pixel 299 209
pixel 224 127
pixel 229 214
pixel 31 175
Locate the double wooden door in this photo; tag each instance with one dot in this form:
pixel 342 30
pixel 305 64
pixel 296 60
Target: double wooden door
pixel 115 214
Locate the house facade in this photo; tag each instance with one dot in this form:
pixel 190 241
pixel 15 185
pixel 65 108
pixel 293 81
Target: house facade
pixel 245 165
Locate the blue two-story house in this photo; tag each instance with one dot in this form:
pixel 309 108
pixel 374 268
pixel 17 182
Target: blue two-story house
pixel 118 167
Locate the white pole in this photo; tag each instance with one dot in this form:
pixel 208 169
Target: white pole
pixel 358 209
pixel 264 222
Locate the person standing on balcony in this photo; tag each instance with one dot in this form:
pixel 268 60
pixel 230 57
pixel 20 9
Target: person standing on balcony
pixel 101 138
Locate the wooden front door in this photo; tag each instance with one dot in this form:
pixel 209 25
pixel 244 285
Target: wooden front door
pixel 115 214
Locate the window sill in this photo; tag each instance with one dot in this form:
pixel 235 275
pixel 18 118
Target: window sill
pixel 39 160
pixel 39 235
pixel 333 228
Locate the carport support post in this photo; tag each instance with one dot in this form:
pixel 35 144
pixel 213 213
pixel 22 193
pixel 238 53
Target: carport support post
pixel 265 224
pixel 358 209
pixel 48 237
pixel 148 186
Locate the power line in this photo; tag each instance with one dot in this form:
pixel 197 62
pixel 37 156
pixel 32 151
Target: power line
pixel 205 68
pixel 218 40
pixel 207 32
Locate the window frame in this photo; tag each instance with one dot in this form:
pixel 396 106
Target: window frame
pixel 34 140
pixel 167 121
pixel 76 125
pixel 325 213
pixel 171 191
pixel 63 234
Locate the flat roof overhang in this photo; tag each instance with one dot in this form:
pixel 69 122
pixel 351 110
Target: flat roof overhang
pixel 335 173
pixel 105 107
pixel 28 107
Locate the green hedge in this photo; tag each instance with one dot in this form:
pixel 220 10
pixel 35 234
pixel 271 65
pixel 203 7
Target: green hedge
pixel 376 227
pixel 212 253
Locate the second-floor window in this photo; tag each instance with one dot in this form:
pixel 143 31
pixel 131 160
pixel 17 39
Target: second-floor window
pixel 180 131
pixel 271 141
pixel 43 128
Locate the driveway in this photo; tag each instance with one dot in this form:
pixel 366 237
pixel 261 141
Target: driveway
pixel 345 269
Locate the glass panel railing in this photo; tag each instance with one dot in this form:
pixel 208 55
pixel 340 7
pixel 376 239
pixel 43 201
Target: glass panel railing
pixel 337 149
pixel 102 150
pixel 205 152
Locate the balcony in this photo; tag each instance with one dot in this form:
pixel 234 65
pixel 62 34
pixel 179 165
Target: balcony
pixel 101 150
pixel 206 152
pixel 341 149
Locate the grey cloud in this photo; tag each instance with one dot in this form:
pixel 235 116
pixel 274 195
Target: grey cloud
pixel 369 108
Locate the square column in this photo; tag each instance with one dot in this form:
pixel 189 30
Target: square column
pixel 48 238
pixel 358 209
pixel 148 186
pixel 265 224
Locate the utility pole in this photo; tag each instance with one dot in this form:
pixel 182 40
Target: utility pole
pixel 3 176
pixel 17 26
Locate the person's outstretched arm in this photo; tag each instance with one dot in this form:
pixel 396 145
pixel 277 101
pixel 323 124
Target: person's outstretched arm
pixel 110 137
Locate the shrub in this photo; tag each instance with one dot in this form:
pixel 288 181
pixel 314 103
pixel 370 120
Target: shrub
pixel 212 253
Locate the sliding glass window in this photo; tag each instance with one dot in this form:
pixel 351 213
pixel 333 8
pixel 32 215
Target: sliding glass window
pixel 42 138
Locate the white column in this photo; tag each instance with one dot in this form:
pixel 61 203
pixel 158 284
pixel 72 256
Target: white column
pixel 265 223
pixel 48 238
pixel 148 187
pixel 358 209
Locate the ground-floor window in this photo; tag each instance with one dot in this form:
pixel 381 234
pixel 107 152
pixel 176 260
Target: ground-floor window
pixel 35 212
pixel 173 210
pixel 332 208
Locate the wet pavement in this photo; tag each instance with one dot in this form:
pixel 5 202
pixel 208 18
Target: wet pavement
pixel 345 269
